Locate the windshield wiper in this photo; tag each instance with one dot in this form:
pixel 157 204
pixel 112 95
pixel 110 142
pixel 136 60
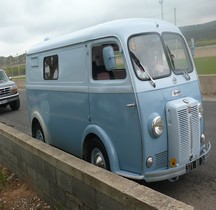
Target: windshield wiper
pixel 141 67
pixel 171 57
pixel 185 73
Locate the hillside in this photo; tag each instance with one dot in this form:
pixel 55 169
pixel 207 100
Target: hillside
pixel 12 61
pixel 201 33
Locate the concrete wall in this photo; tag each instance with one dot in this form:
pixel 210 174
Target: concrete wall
pixel 208 84
pixel 67 182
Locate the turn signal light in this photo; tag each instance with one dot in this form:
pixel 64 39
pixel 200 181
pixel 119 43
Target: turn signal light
pixel 173 162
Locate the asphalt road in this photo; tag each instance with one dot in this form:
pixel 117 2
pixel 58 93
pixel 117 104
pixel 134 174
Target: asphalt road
pixel 198 188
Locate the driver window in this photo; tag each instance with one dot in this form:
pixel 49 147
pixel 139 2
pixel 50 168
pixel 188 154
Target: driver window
pixel 99 71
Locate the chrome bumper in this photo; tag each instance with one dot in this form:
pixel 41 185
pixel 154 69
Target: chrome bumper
pixel 174 172
pixel 8 99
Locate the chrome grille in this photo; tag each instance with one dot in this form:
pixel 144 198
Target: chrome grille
pixel 184 134
pixel 189 132
pixel 5 91
pixel 183 130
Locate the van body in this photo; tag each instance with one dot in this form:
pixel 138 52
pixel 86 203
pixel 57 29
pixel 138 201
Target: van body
pixel 123 95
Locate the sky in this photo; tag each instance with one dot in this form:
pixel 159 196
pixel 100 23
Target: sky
pixel 24 23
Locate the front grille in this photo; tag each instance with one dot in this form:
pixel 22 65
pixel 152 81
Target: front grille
pixel 189 132
pixel 183 130
pixel 161 160
pixel 5 91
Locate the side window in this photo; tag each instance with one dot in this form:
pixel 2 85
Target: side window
pixel 99 71
pixel 51 70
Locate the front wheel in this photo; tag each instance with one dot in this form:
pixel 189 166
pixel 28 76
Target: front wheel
pixel 15 105
pixel 97 154
pixel 37 133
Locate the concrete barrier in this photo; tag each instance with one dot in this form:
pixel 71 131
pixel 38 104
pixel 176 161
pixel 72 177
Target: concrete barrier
pixel 208 84
pixel 67 182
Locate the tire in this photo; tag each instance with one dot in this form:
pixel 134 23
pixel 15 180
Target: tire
pixel 15 105
pixel 37 133
pixel 97 154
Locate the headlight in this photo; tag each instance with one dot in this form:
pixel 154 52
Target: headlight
pixel 149 161
pixel 14 89
pixel 200 110
pixel 157 126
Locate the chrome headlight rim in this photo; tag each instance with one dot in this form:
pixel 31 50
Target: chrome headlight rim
pixel 157 126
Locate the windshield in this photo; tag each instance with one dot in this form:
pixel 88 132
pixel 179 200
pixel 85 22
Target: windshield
pixel 177 53
pixel 155 58
pixel 148 49
pixel 3 77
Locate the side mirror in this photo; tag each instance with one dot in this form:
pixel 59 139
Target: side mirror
pixel 109 58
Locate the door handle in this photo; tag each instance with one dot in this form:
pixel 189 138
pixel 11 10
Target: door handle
pixel 131 105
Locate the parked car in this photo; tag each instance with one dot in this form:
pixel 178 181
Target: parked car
pixel 8 92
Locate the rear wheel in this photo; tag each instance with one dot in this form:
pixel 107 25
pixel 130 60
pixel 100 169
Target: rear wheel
pixel 97 154
pixel 37 132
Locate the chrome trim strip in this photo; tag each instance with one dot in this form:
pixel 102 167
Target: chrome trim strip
pixel 10 96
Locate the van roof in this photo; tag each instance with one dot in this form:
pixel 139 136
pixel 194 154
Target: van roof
pixel 122 28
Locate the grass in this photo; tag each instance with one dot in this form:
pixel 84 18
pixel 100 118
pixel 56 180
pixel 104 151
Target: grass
pixel 21 77
pixel 206 65
pixel 205 43
pixel 15 70
pixel 3 178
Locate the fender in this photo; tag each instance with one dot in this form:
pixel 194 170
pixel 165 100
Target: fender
pixel 36 115
pixel 105 139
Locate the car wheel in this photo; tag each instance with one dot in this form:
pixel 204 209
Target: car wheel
pixel 97 154
pixel 38 133
pixel 15 105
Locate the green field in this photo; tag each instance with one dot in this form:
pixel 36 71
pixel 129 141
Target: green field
pixel 205 65
pixel 206 42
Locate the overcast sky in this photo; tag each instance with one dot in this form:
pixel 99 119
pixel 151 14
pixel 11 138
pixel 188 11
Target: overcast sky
pixel 24 23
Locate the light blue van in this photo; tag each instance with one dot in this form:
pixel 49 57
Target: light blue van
pixel 123 95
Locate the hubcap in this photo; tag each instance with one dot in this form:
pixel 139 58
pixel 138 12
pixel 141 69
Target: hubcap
pixel 39 135
pixel 97 158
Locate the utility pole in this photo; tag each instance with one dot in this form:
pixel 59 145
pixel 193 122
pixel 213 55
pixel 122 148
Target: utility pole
pixel 18 64
pixel 161 3
pixel 175 16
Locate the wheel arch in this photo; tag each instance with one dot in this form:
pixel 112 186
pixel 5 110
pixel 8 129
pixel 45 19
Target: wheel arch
pixel 37 118
pixel 96 131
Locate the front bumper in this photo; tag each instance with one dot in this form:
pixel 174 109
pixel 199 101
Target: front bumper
pixel 174 172
pixel 8 99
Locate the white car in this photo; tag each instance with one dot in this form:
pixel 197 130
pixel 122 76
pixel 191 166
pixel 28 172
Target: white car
pixel 8 92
